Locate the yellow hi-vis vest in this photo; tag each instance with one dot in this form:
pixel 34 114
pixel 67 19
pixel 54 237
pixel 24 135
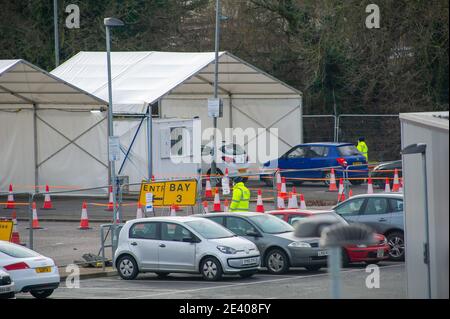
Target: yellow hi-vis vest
pixel 362 147
pixel 241 198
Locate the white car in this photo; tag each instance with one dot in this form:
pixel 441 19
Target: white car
pixel 228 156
pixel 166 245
pixel 6 285
pixel 30 271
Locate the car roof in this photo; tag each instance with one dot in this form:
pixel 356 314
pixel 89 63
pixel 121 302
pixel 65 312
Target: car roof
pixel 179 219
pixel 390 195
pixel 241 214
pixel 300 211
pixel 326 144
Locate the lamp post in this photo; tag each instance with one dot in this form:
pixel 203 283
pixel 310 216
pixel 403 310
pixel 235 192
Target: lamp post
pixel 110 23
pixel 421 148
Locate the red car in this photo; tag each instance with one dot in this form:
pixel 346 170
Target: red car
pixel 352 254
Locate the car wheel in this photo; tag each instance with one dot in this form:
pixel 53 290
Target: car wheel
pixel 41 294
pixel 327 178
pixel 277 262
pixel 313 268
pixel 396 243
pixel 162 274
pixel 127 267
pixel 211 269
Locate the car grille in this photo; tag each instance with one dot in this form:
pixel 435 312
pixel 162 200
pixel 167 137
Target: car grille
pixel 6 280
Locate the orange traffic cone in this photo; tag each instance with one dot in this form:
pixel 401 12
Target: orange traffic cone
pixel 278 177
pixel 333 186
pixel 226 206
pixel 401 186
pixel 370 186
pixel 280 202
pixel 387 188
pixel 84 222
pixel 47 200
pixel 10 204
pixel 139 211
pixel 350 193
pixel 283 191
pixel 396 186
pixel 293 201
pixel 110 207
pixel 208 189
pixel 15 237
pixel 259 203
pixel 173 211
pixel 341 195
pixel 35 223
pixel 217 205
pixel 302 202
pixel 205 207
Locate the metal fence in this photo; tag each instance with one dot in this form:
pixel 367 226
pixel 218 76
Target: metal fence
pixel 382 132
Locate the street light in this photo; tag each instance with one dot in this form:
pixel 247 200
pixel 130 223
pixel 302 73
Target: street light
pixel 111 23
pixel 421 148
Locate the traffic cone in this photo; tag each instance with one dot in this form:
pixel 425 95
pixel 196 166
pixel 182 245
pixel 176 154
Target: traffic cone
pixel 370 186
pixel 110 207
pixel 350 193
pixel 333 186
pixel 47 200
pixel 10 204
pixel 226 206
pixel 396 186
pixel 84 222
pixel 293 201
pixel 205 207
pixel 35 223
pixel 283 191
pixel 139 211
pixel 278 177
pixel 302 202
pixel 280 202
pixel 208 189
pixel 341 195
pixel 401 186
pixel 217 205
pixel 173 211
pixel 15 237
pixel 259 203
pixel 387 188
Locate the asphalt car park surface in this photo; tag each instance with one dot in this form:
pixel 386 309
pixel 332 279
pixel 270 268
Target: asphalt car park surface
pixel 297 283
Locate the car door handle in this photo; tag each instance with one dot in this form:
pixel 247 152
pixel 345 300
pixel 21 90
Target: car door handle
pixel 162 246
pixel 134 244
pixel 382 219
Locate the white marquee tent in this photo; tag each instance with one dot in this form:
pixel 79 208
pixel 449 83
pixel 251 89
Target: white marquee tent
pixel 48 132
pixel 180 84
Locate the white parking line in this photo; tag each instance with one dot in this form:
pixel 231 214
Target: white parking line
pixel 252 283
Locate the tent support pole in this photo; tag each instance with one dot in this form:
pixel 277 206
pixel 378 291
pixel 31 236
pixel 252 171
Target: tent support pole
pixel 300 107
pixel 231 109
pixel 149 142
pixel 35 141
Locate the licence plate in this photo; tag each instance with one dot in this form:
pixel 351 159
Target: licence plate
pixel 43 269
pixel 357 163
pixel 380 253
pixel 249 261
pixel 5 289
pixel 323 253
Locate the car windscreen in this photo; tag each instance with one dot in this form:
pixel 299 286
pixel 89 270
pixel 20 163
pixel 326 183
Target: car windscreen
pixel 348 150
pixel 209 229
pixel 271 225
pixel 16 251
pixel 232 149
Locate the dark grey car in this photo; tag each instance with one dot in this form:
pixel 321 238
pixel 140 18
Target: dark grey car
pixel 275 239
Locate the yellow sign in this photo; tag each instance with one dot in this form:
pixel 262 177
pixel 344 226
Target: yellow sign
pixel 6 228
pixel 165 194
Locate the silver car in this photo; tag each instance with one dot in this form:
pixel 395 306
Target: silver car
pixel 165 245
pixel 275 239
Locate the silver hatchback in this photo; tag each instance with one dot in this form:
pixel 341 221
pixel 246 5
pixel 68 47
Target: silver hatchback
pixel 167 245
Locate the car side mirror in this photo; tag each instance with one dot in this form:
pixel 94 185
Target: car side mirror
pixel 252 233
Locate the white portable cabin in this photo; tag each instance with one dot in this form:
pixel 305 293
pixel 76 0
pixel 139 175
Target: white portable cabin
pixel 431 129
pixel 51 132
pixel 178 85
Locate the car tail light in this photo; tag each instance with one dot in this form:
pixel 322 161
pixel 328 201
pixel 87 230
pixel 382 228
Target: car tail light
pixel 341 161
pixel 16 266
pixel 227 159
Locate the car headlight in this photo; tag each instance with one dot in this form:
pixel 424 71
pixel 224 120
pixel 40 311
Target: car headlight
pixel 227 250
pixel 299 244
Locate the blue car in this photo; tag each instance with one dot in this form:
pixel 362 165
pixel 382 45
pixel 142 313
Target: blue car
pixel 317 159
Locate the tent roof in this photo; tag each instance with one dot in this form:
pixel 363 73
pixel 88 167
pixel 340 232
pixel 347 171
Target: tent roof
pixel 23 84
pixel 142 78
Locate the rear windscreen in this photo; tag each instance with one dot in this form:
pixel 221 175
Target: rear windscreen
pixel 348 150
pixel 16 251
